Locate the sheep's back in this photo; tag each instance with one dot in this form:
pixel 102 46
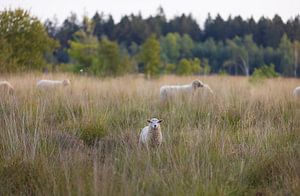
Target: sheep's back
pixel 6 86
pixel 48 83
pixel 168 90
pixel 143 136
pixel 296 91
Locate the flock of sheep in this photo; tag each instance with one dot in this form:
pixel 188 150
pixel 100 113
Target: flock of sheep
pixel 151 135
pixel 6 87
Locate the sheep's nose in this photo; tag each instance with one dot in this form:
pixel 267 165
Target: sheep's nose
pixel 155 126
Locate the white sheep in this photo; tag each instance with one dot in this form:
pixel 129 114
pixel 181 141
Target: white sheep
pixel 6 87
pixel 151 134
pixel 45 84
pixel 168 91
pixel 296 92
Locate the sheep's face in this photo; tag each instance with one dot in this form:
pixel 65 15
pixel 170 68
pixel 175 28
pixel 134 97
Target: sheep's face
pixel 66 82
pixel 197 84
pixel 154 123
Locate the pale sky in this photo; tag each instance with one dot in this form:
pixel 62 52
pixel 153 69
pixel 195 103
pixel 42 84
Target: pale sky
pixel 199 9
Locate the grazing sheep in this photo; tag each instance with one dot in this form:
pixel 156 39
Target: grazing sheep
pixel 52 83
pixel 296 92
pixel 167 91
pixel 151 134
pixel 6 87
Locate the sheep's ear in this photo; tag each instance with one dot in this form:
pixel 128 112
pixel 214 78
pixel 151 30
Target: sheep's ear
pixel 149 121
pixel 160 121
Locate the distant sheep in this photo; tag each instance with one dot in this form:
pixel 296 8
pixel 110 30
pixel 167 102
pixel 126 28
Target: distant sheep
pixel 45 84
pixel 296 92
pixel 168 91
pixel 151 135
pixel 6 87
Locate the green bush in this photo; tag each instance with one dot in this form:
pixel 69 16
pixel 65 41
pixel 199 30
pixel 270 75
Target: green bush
pixel 189 67
pixel 264 72
pixel 92 130
pixel 184 67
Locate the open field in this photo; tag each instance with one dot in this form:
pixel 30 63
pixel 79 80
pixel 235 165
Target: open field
pixel 244 140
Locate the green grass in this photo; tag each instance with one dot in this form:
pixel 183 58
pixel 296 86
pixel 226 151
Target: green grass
pixel 82 140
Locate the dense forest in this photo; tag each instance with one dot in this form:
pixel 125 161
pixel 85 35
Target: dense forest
pixel 155 45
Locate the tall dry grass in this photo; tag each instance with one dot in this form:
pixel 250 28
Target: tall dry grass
pixel 82 140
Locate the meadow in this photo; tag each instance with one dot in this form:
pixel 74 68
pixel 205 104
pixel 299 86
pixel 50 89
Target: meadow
pixel 83 139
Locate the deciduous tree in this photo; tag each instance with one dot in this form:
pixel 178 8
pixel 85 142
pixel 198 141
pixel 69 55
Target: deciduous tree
pixel 23 40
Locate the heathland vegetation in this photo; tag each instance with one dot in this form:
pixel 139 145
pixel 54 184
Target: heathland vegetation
pixel 82 138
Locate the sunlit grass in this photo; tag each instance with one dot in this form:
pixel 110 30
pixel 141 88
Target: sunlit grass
pixel 83 139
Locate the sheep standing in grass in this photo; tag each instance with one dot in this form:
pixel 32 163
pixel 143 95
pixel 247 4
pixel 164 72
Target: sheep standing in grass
pixel 6 87
pixel 45 84
pixel 151 134
pixel 296 92
pixel 168 91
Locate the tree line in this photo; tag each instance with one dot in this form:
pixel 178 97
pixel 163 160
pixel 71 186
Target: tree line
pixel 155 45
